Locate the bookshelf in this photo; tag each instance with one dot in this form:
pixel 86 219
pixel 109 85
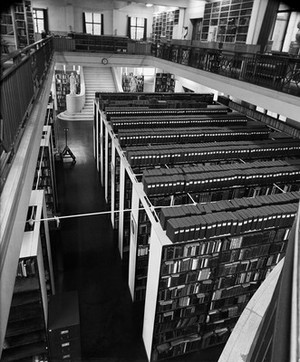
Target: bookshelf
pixel 26 336
pixel 45 171
pixel 163 24
pixel 226 21
pixel 164 82
pixel 50 120
pixel 168 186
pixel 207 279
pixel 17 24
pixel 62 85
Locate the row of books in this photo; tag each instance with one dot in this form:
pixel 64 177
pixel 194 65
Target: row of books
pixel 236 261
pixel 149 156
pixel 190 135
pixel 223 179
pixel 174 333
pixel 241 299
pixel 182 302
pixel 257 263
pixel 173 349
pixel 185 264
pixel 196 169
pixel 217 314
pixel 26 268
pixel 179 121
pixel 157 110
pixel 122 99
pixel 176 314
pixel 230 280
pixel 230 223
pixel 229 247
pixel 175 280
pixel 226 205
pixel 143 250
pixel 234 290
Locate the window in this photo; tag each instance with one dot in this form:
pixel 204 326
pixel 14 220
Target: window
pixel 40 20
pixel 137 28
pixel 93 23
pixel 285 28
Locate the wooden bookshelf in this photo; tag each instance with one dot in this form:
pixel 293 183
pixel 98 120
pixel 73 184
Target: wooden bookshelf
pixel 26 330
pixel 226 21
pixel 17 24
pixel 164 82
pixel 163 24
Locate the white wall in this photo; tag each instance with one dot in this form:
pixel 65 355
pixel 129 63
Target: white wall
pixel 65 14
pixel 257 17
pixel 196 87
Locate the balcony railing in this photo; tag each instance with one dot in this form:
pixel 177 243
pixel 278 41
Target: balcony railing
pixel 281 73
pixel 23 71
pixel 22 75
pixel 275 71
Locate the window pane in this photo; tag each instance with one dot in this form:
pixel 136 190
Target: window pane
pixel 139 33
pixel 139 21
pixel 89 28
pixel 97 18
pixel 40 26
pixel 89 17
pixel 40 14
pixel 97 29
pixel 133 21
pixel 132 33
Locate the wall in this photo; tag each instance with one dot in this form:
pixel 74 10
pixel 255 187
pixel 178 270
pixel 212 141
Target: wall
pixel 257 16
pixel 195 10
pixel 196 87
pixel 65 16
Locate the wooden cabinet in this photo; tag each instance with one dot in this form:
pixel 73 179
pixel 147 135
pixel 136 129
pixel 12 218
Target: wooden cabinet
pixel 64 327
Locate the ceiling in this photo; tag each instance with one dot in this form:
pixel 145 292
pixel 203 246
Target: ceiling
pixel 172 3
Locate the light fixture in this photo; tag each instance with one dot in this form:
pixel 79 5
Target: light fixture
pixel 149 5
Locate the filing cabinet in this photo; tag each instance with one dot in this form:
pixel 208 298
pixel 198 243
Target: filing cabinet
pixel 64 327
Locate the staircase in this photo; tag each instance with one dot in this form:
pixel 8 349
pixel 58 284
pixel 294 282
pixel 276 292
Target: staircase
pixel 96 80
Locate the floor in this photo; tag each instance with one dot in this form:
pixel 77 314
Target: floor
pixel 86 259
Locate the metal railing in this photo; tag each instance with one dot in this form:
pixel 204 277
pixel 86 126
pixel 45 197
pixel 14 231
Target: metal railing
pixel 23 71
pixel 281 73
pixel 275 71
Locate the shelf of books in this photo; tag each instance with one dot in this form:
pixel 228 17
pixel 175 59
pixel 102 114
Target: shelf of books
pixel 226 21
pixel 50 120
pixel 62 85
pixel 25 337
pixel 45 171
pixel 163 25
pixel 202 205
pixel 164 82
pixel 17 24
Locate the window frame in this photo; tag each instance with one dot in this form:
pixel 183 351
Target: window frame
pixel 93 23
pixel 35 20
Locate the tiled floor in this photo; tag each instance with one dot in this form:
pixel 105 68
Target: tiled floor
pixel 87 260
